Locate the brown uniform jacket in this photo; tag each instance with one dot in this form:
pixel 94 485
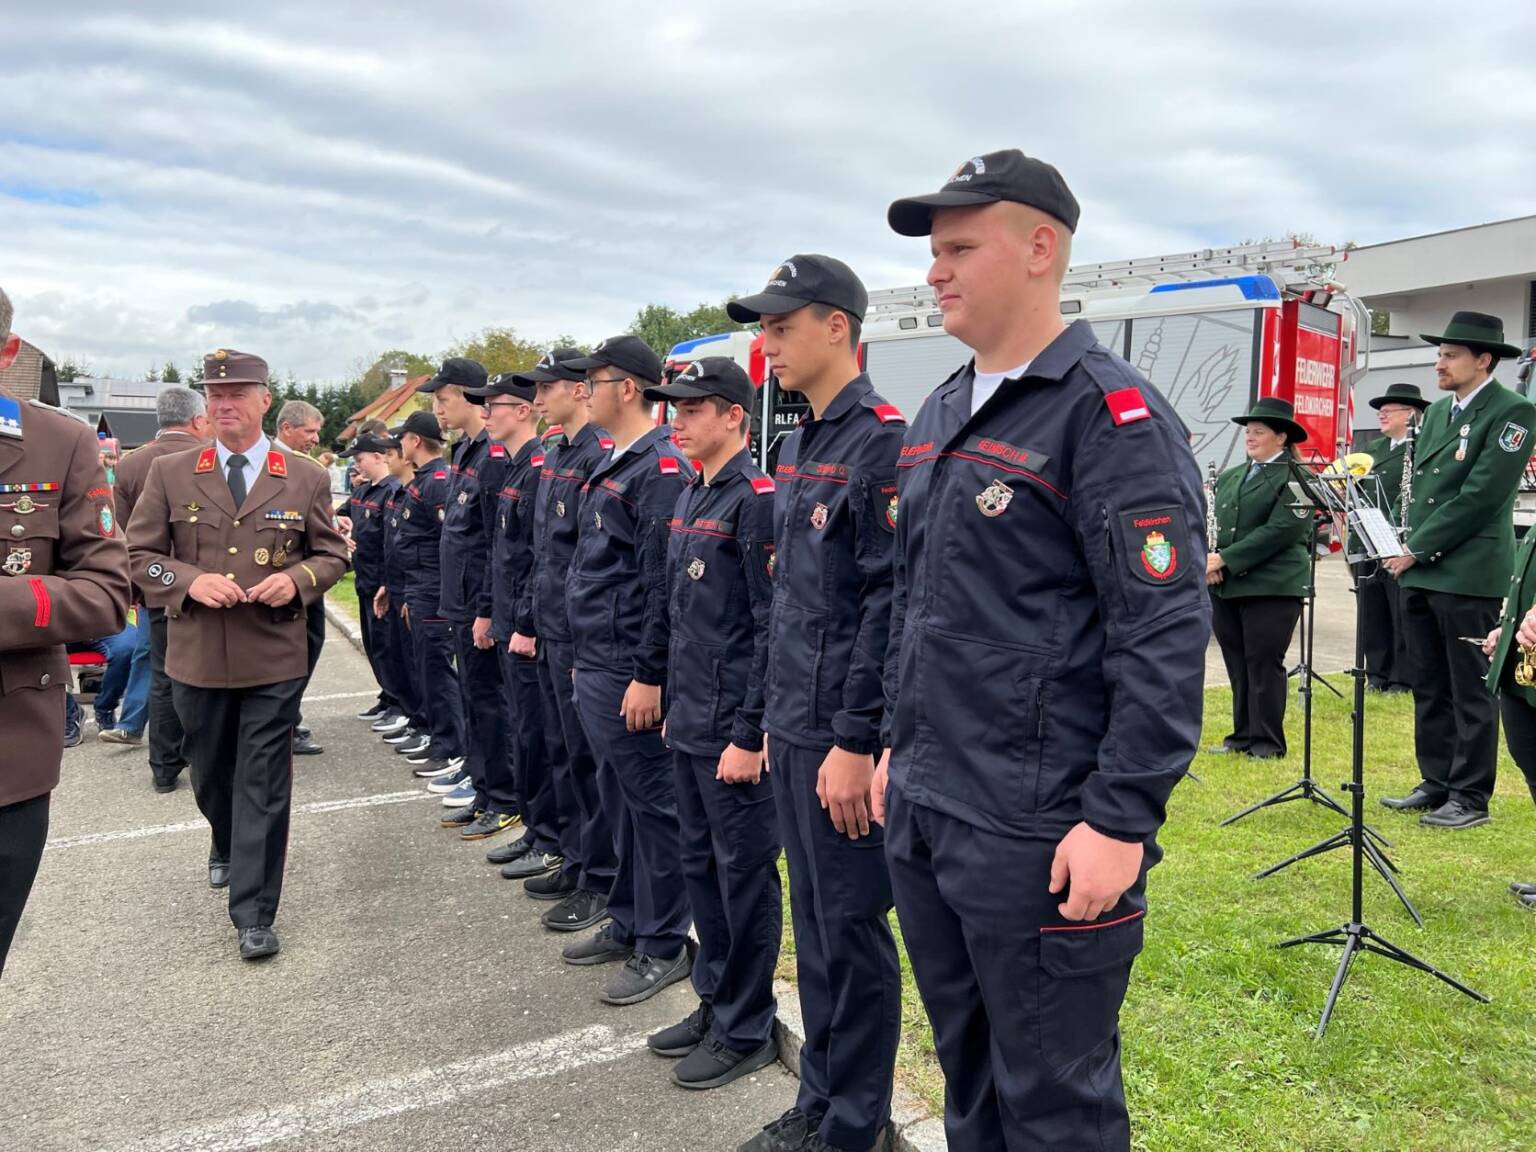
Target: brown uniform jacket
pixel 185 523
pixel 63 578
pixel 134 469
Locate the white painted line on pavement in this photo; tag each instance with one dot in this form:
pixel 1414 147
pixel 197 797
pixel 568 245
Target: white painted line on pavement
pixel 391 1096
pixel 339 696
pixel 316 807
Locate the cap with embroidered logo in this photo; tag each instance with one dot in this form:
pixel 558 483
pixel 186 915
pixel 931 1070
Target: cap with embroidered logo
pixel 629 354
pixel 423 424
pixel 707 376
pixel 458 372
pixel 802 280
pixel 554 366
pixel 1007 175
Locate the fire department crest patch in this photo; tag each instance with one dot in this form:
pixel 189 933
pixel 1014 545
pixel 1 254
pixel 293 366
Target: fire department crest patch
pixel 1160 557
pixel 993 500
pixel 819 516
pixel 768 567
pixel 559 507
pixel 104 520
pixel 891 509
pixel 696 569
pixel 1512 437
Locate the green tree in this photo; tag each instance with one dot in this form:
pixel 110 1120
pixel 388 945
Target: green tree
pixel 499 350
pixel 170 374
pixel 71 368
pixel 373 379
pixel 152 373
pixel 663 327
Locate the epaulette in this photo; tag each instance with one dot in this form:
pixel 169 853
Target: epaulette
pixel 207 460
pixel 277 463
pixel 1126 406
pixel 763 485
pixel 889 414
pixel 498 451
pixel 605 442
pixel 670 466
pixel 439 475
pixel 536 460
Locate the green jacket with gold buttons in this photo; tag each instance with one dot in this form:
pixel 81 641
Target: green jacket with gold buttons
pixel 1262 538
pixel 1465 476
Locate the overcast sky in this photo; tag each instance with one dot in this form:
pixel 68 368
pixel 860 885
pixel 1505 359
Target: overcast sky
pixel 317 182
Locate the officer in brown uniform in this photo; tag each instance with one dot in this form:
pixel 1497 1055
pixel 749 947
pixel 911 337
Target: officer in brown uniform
pixel 234 542
pixel 183 420
pixel 63 578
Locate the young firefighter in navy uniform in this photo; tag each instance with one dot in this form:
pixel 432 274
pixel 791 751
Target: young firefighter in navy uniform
pixel 720 591
pixel 420 508
pixel 1045 676
pixel 836 510
pixel 387 604
pixel 587 857
pixel 616 594
pixel 511 421
pixel 488 803
pixel 365 507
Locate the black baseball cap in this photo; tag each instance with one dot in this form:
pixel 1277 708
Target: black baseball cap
pixel 460 371
pixel 505 384
pixel 708 376
pixel 629 354
pixel 368 442
pixel 555 366
pixel 424 424
pixel 1007 175
pixel 802 280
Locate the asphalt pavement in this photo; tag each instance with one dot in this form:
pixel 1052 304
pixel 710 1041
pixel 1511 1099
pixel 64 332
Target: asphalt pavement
pixel 417 1003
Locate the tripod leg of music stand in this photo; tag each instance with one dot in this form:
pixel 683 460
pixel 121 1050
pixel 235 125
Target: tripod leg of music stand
pixel 1331 936
pixel 1351 946
pixel 1193 777
pixel 1386 871
pixel 1319 676
pixel 1384 947
pixel 1327 801
pixel 1377 836
pixel 1337 840
pixel 1269 801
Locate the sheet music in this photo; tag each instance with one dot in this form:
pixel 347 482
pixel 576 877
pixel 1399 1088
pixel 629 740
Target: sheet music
pixel 1372 526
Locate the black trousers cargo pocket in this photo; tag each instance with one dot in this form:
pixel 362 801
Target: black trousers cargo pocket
pixel 1084 972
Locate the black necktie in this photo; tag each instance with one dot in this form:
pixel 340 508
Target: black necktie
pixel 237 478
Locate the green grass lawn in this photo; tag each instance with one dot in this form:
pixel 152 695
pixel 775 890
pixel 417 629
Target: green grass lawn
pixel 1218 1026
pixel 343 596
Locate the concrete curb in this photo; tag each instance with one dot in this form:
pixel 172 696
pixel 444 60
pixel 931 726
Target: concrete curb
pixel 916 1130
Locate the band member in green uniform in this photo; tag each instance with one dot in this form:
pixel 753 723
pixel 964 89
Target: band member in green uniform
pixel 1257 571
pixel 1512 676
pixel 1468 460
pixel 1380 600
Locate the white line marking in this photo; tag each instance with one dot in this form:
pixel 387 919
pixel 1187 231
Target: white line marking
pixel 318 806
pixel 393 1095
pixel 339 696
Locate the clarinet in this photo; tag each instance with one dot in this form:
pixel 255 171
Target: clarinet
pixel 1210 507
pixel 1405 495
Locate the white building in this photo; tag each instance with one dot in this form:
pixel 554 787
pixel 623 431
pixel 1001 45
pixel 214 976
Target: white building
pixel 1419 282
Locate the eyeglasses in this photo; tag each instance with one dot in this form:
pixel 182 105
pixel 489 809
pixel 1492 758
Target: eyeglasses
pixel 506 403
pixel 608 380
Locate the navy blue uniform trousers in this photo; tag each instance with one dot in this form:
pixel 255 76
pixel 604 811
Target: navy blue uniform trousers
pixel 845 954
pixel 1025 1005
pixel 487 755
pixel 402 659
pixel 432 644
pixel 730 852
pixel 529 749
pixel 589 835
pixel 377 640
pixel 648 903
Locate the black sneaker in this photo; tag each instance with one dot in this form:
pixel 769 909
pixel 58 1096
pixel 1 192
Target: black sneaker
pixel 433 769
pixel 599 948
pixel 682 1038
pixel 531 865
pixel 644 976
pixel 786 1134
pixel 713 1065
pixel 376 712
pixel 459 817
pixel 417 751
pixel 400 736
pixel 552 886
pixel 488 824
pixel 581 909
pixel 511 850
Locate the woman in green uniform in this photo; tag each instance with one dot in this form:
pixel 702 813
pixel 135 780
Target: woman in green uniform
pixel 1257 571
pixel 1512 676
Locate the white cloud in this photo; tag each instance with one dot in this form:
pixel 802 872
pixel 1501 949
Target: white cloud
pixel 325 181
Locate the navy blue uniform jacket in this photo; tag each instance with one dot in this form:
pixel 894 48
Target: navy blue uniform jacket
pixel 720 557
pixel 512 551
pixel 1047 659
pixel 419 508
pixel 616 590
pixel 476 467
pixel 555 520
pixel 366 508
pixel 836 508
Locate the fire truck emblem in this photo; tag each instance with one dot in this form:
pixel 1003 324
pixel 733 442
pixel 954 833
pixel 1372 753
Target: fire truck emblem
pixel 19 560
pixel 696 569
pixel 819 516
pixel 994 499
pixel 1159 557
